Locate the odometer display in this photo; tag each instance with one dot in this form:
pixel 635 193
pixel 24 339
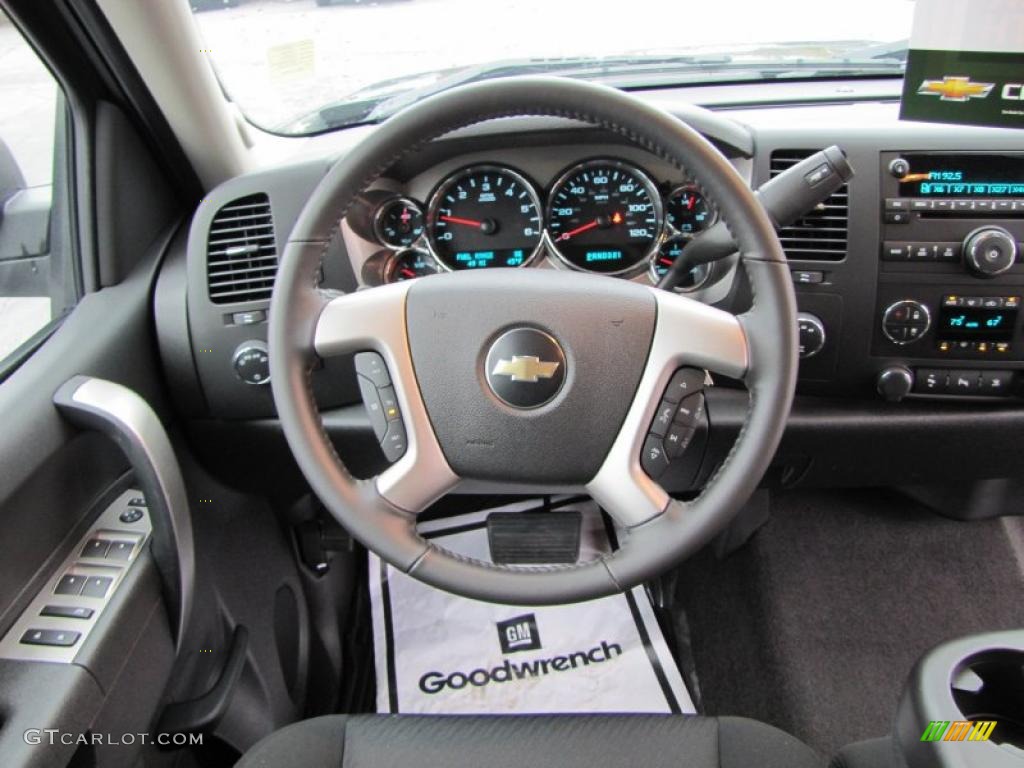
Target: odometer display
pixel 485 216
pixel 604 216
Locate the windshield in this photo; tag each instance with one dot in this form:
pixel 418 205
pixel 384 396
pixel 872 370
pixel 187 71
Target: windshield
pixel 302 66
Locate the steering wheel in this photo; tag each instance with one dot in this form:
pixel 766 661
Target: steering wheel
pixel 611 347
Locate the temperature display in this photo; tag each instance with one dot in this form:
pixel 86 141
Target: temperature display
pixel 976 323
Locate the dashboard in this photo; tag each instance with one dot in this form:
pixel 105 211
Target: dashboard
pixel 602 208
pixel 605 215
pixel 908 280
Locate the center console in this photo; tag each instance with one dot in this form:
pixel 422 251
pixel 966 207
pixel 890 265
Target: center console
pixel 951 275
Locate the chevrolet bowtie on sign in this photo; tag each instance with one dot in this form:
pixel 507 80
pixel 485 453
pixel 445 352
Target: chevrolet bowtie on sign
pixel 966 63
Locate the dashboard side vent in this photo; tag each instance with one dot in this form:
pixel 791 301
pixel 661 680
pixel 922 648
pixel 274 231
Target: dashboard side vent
pixel 821 234
pixel 241 252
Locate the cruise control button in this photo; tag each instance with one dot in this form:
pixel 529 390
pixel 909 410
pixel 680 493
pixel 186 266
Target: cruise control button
pixel 690 410
pixel 395 442
pixel 663 418
pixel 677 439
pixel 59 638
pixel 371 365
pixel 653 458
pixel 995 382
pixel 389 403
pixel 685 381
pixel 374 408
pixel 930 382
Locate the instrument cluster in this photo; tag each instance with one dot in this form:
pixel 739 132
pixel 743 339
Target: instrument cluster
pixel 602 215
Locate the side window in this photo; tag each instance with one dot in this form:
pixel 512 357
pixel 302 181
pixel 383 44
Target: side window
pixel 38 282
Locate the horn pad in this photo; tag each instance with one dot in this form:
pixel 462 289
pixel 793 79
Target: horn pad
pixel 527 375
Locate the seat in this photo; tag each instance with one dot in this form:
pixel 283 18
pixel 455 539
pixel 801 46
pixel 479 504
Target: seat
pixel 536 741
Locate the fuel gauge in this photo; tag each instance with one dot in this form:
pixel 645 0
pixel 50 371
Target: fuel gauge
pixel 409 264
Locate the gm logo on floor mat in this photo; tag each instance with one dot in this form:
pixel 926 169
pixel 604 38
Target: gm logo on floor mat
pixel 519 634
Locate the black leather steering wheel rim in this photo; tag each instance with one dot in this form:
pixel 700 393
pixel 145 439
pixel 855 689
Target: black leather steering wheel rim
pixel 298 309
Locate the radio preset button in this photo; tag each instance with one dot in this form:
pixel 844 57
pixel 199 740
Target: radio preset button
pixel 921 205
pixel 895 251
pixel 896 204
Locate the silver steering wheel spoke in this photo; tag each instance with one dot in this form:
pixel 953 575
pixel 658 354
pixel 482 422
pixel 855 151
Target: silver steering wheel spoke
pixel 687 333
pixel 375 320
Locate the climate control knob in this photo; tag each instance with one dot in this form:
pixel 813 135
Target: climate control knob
pixel 990 251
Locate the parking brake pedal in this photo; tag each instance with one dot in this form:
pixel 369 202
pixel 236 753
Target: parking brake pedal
pixel 534 538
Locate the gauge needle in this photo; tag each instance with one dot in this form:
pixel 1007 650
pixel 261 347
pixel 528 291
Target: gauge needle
pixel 408 272
pixel 578 230
pixel 464 222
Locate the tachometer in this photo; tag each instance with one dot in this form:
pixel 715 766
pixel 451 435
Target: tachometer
pixel 604 216
pixel 484 216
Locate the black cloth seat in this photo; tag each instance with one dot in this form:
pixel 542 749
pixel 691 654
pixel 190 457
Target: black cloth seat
pixel 530 741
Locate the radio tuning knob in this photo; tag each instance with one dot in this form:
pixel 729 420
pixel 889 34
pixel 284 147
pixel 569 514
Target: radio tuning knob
pixel 895 383
pixel 990 251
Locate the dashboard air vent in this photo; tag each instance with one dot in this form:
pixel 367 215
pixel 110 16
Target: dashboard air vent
pixel 821 234
pixel 241 253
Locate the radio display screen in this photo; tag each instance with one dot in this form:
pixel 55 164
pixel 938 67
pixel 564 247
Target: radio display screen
pixel 976 323
pixel 964 176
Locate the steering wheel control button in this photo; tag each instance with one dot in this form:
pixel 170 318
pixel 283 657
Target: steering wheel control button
pixel 389 403
pixel 374 407
pixel 684 382
pixel 663 418
pixel 67 612
pixel 59 638
pixel 371 365
pixel 677 440
pixel 395 442
pixel 653 458
pixel 70 584
pixel 525 368
pixel 130 515
pixel 690 410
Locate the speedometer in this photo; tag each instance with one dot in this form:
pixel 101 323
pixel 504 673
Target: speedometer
pixel 485 216
pixel 604 216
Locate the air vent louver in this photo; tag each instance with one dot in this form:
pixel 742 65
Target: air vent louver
pixel 241 253
pixel 821 234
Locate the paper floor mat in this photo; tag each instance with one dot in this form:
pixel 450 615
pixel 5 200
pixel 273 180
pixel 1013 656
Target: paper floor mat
pixel 438 653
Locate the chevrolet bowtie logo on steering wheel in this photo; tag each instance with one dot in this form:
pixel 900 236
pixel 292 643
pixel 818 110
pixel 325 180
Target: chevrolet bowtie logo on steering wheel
pixel 527 368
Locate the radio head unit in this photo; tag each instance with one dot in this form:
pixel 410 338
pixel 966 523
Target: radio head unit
pixel 967 175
